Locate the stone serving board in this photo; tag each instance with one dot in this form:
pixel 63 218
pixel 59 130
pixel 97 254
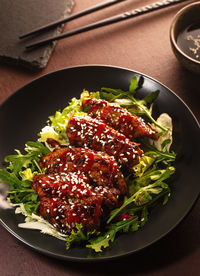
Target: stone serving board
pixel 21 16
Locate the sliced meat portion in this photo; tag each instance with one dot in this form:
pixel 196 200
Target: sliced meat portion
pixel 119 118
pixel 84 131
pixel 64 214
pixel 74 186
pixel 101 168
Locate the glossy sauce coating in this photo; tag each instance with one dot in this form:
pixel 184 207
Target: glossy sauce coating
pixel 64 214
pixel 84 131
pixel 119 118
pixel 70 198
pixel 73 186
pixel 101 168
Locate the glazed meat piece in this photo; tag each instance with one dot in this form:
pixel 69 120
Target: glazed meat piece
pixel 74 186
pixel 101 168
pixel 70 198
pixel 84 131
pixel 64 214
pixel 119 118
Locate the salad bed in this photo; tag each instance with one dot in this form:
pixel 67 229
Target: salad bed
pixel 147 183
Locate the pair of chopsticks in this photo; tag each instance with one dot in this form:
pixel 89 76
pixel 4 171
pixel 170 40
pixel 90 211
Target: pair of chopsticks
pixel 98 24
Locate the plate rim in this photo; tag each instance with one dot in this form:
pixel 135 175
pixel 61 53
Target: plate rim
pixel 100 65
pixel 97 258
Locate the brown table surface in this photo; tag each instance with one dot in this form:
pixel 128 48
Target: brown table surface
pixel 141 44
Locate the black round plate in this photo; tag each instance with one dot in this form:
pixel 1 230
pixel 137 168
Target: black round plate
pixel 26 112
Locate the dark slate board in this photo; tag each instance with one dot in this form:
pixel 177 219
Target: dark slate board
pixel 21 16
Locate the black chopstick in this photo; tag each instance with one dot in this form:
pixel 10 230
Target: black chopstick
pixel 108 21
pixel 72 17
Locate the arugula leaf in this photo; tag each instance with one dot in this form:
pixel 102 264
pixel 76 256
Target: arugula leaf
pixel 151 97
pixel 77 236
pixel 143 195
pixel 19 174
pixel 133 209
pixel 103 241
pixel 138 182
pixel 133 85
pixel 111 95
pixel 148 177
pixel 160 155
pixel 144 216
pixel 165 143
pixel 31 206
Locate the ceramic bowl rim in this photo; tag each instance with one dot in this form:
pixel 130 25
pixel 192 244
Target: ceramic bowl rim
pixel 172 31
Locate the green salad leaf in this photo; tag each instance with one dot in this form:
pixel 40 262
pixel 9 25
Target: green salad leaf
pixel 60 119
pixel 19 173
pixel 19 161
pixel 135 106
pixel 144 163
pixel 147 181
pixel 133 85
pixel 77 236
pixel 144 194
pixel 103 241
pixel 162 155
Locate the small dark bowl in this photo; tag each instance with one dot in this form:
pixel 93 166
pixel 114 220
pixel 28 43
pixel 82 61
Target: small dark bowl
pixel 186 17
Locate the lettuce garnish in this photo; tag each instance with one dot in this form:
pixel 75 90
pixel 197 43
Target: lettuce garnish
pixel 19 173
